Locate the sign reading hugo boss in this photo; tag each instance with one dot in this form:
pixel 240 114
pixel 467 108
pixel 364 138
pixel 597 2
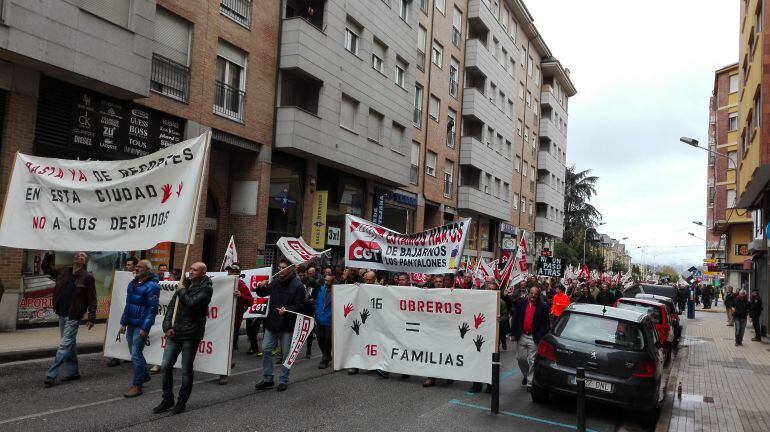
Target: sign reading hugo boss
pixel 441 333
pixel 550 266
pixel 437 250
pixel 66 205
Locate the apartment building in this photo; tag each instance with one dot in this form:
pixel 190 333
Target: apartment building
pixel 728 232
pixel 114 79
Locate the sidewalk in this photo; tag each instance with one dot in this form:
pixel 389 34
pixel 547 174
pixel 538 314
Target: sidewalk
pixel 42 342
pixel 724 387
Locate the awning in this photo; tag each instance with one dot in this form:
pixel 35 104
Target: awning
pixel 752 196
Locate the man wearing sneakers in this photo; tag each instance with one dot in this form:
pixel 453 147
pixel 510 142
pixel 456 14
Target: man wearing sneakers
pixel 287 294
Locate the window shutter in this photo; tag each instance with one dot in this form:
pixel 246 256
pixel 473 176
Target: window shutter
pixel 231 54
pixel 172 37
pixel 114 11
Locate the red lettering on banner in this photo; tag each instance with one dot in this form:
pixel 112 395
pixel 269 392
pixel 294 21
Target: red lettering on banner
pixel 212 313
pixel 303 332
pixel 297 246
pixel 429 306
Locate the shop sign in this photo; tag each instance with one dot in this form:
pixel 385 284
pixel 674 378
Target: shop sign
pixel 333 236
pixel 318 228
pixel 379 209
pixel 742 249
pixel 508 228
pixel 402 199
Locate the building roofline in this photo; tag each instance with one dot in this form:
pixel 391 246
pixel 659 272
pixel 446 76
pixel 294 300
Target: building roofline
pixel 726 68
pixel 552 67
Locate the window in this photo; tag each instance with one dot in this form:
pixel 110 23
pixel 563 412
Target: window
pixel 711 196
pixel 504 17
pixel 519 125
pixel 450 128
pixel 511 66
pixel 441 5
pixel 414 172
pixel 430 164
pixel 403 9
pixel 449 167
pixel 114 11
pixel 434 107
pixel 523 205
pixel 525 169
pixel 348 112
pixel 733 160
pixel 424 5
pixel 526 134
pixel 521 90
pixel 230 81
pixel 490 134
pixel 508 148
pixel 504 58
pixel 517 164
pixel 529 99
pixel 509 112
pixel 757 110
pixel 496 188
pixel 500 140
pixel 421 35
pixel 758 17
pixel 437 54
pixel 397 133
pixel 487 183
pixel 506 191
pixel 400 73
pixel 237 10
pixel 492 92
pixel 731 198
pixel 352 35
pixel 523 56
pixel 457 25
pixel 496 8
pixel 732 122
pixel 170 73
pixel 374 129
pixel 417 119
pixel 378 55
pixel 500 101
pixel 496 51
pixel 453 76
pixel 530 64
pixel 537 76
pixel 515 201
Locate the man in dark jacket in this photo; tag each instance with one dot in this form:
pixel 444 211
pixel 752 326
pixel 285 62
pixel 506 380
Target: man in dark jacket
pixel 138 317
pixel 530 324
pixel 183 334
pixel 755 310
pixel 605 297
pixel 729 301
pixel 287 294
pixel 741 308
pixel 585 296
pixel 73 295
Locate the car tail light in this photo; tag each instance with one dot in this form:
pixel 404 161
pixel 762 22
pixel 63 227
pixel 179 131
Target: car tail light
pixel 644 370
pixel 546 351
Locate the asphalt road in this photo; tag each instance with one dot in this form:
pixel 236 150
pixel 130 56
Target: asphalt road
pixel 316 400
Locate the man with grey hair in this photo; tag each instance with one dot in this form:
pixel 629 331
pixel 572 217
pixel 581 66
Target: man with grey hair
pixel 138 317
pixel 73 295
pixel 741 309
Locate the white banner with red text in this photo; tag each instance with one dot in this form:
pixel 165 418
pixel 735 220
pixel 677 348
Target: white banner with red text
pixel 441 333
pixel 437 250
pixel 213 351
pixel 302 328
pixel 68 205
pixel 259 305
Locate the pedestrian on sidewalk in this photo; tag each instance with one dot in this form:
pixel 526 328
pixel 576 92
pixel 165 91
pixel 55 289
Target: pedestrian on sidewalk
pixel 184 334
pixel 323 319
pixel 741 308
pixel 728 301
pixel 129 266
pixel 138 317
pixel 74 295
pixel 530 324
pixel 755 310
pixel 243 301
pixel 286 294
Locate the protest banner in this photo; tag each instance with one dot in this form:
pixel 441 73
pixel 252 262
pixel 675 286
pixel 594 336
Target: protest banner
pixel 296 250
pixel 550 266
pixel 435 251
pixel 259 305
pixel 72 205
pixel 440 332
pixel 214 350
pixel 302 327
pixel 231 254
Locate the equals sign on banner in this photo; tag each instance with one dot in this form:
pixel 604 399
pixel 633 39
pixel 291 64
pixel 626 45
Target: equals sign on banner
pixel 413 327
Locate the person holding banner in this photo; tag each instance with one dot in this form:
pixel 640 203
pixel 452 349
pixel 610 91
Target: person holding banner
pixel 323 319
pixel 130 266
pixel 73 296
pixel 137 319
pixel 286 294
pixel 184 325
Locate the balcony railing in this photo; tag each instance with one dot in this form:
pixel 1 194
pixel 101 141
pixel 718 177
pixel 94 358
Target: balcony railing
pixel 417 117
pixel 228 101
pixel 456 37
pixel 169 77
pixel 420 59
pixel 237 10
pixel 450 139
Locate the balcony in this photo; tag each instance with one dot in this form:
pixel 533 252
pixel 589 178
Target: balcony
pixel 549 195
pixel 547 98
pixel 478 11
pixel 548 129
pixel 548 162
pixel 544 225
pixel 169 78
pixel 475 153
pixel 237 10
pixel 228 101
pixel 475 200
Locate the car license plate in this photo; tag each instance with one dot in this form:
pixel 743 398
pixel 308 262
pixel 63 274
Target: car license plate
pixel 593 384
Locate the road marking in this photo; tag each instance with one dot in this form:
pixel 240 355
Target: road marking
pixel 519 416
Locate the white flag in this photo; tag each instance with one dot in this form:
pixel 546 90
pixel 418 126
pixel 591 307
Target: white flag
pixel 231 255
pixel 302 328
pixel 297 250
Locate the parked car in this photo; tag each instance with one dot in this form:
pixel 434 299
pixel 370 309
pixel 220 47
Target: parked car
pixel 619 349
pixel 659 315
pixel 672 311
pixel 659 290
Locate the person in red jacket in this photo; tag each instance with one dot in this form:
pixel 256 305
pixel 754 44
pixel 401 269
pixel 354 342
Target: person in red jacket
pixel 243 296
pixel 559 303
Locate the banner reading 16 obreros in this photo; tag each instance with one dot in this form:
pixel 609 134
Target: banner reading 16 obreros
pixel 134 204
pixel 435 251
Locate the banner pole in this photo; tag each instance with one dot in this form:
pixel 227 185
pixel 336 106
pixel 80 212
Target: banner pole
pixel 495 402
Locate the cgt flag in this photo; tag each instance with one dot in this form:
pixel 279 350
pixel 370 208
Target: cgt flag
pixel 231 255
pixel 297 250
pixel 302 328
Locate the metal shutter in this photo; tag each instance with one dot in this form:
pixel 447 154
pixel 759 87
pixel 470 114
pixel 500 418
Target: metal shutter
pixel 172 37
pixel 114 11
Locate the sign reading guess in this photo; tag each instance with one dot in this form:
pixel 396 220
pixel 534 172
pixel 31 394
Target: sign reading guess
pixel 437 250
pixel 550 266
pixel 213 351
pixel 68 205
pixel 438 332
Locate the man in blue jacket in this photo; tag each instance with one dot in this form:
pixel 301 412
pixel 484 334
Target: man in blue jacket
pixel 137 319
pixel 530 324
pixel 323 320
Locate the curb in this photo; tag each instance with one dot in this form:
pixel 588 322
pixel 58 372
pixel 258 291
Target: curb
pixel 664 420
pixel 13 356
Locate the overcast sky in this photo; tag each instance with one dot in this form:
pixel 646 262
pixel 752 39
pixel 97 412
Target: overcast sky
pixel 644 72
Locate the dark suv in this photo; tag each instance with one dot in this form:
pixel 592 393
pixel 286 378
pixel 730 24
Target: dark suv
pixel 619 349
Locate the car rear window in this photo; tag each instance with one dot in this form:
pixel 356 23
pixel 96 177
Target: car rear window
pixel 652 311
pixel 599 330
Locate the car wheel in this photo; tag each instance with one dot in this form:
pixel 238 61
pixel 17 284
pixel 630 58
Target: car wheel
pixel 539 395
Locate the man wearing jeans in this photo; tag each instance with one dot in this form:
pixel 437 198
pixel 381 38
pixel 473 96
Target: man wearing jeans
pixel 741 308
pixel 137 319
pixel 73 295
pixel 286 294
pixel 530 324
pixel 183 334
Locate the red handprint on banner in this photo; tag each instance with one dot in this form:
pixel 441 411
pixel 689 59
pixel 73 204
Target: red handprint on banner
pixel 478 320
pixel 347 309
pixel 179 189
pixel 166 193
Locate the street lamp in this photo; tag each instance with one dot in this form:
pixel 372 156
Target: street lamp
pixel 585 233
pixel 693 142
pixel 699 223
pixel 701 239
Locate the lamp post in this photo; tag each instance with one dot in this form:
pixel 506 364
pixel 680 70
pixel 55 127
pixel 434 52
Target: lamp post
pixel 694 143
pixel 585 233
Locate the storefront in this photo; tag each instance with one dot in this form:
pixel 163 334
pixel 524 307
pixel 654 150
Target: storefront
pixel 344 195
pixel 395 210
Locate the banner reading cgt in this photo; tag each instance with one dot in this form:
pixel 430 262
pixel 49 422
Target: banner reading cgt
pixel 438 332
pixel 550 266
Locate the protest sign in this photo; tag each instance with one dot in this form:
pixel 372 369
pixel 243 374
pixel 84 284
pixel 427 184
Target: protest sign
pixel 296 250
pixel 440 332
pixel 213 351
pixel 550 266
pixel 437 250
pixel 302 328
pixel 259 305
pixel 69 205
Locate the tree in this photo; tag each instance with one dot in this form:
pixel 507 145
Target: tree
pixel 619 266
pixel 567 253
pixel 595 260
pixel 637 272
pixel 579 214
